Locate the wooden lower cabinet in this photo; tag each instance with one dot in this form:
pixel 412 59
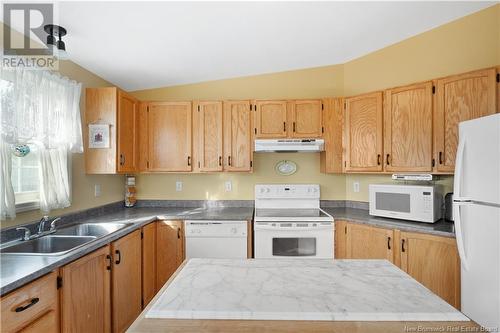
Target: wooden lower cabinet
pixel 86 293
pixel 32 308
pixel 365 242
pixel 170 249
pixel 434 262
pixel 148 263
pixel 431 260
pixel 126 282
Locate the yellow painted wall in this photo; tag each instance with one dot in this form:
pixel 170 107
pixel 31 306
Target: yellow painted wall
pixel 469 43
pixel 211 186
pixel 112 186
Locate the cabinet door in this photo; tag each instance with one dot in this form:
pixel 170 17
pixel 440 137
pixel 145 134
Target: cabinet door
pixel 408 128
pixel 365 242
pixel 434 262
pixel 126 280
pixel 209 136
pixel 32 306
pixel 363 132
pixel 340 239
pixel 306 118
pixel 142 138
pixel 86 295
pixel 332 159
pixel 271 119
pixel 459 98
pixel 127 133
pixel 148 262
pixel 170 246
pixel 169 125
pixel 237 136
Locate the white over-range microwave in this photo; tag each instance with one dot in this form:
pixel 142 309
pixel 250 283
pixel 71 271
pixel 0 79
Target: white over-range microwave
pixel 422 203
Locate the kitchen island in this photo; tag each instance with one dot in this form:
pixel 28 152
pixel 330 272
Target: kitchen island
pixel 207 295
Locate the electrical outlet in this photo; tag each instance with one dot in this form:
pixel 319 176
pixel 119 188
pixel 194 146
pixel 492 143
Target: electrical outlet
pixel 178 186
pixel 355 187
pixel 97 190
pixel 228 186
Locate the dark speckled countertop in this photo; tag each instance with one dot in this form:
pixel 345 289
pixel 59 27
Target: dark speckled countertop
pixel 440 228
pixel 18 270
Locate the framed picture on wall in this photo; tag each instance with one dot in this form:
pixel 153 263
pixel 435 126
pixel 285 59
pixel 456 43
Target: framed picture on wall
pixel 99 135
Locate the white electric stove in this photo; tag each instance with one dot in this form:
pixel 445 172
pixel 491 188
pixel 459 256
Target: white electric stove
pixel 290 223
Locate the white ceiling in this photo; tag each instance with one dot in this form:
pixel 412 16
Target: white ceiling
pixel 140 45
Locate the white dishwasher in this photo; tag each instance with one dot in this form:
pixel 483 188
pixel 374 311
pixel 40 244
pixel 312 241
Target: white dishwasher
pixel 216 239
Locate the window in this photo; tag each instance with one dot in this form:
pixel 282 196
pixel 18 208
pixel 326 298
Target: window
pixel 25 180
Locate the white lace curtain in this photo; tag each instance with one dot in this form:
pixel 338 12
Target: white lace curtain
pixel 39 108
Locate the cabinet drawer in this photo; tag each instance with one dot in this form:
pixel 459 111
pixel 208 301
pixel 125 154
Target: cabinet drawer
pixel 23 306
pixel 48 323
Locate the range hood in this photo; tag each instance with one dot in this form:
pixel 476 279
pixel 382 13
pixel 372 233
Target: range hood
pixel 290 146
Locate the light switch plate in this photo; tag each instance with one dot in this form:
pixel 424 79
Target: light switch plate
pixel 97 190
pixel 228 186
pixel 355 187
pixel 178 186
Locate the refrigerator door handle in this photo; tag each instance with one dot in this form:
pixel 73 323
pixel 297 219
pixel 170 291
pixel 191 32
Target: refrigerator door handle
pixel 457 182
pixel 459 235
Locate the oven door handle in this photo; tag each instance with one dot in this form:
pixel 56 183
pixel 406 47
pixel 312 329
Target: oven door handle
pixel 266 227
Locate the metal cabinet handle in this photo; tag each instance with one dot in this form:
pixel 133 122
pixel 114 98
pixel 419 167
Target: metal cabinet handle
pixel 189 160
pixel 122 159
pixel 108 257
pixel 178 233
pixel 220 160
pixel 389 242
pixel 117 252
pixel 294 126
pixel 284 126
pixel 32 302
pixel 440 157
pixel 403 245
pixel 378 159
pixel 229 160
pixel 387 159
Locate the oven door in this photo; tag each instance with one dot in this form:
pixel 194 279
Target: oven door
pixel 293 240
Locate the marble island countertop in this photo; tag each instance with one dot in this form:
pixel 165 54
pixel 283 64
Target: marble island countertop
pixel 319 290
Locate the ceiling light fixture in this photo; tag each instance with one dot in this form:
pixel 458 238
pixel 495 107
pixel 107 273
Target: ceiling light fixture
pixel 57 46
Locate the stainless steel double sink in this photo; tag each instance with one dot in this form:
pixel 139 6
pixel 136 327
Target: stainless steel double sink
pixel 64 239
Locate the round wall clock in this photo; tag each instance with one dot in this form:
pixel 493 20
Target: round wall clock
pixel 286 168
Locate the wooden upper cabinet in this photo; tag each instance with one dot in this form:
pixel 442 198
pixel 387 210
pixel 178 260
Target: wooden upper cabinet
pixel 86 293
pixel 170 249
pixel 169 136
pixel 126 280
pixel 271 119
pixel 113 107
pixel 332 159
pixel 238 141
pixel 366 242
pixel 434 262
pixel 209 135
pixel 142 138
pixel 127 132
pixel 408 128
pixel 306 118
pixel 363 132
pixel 459 98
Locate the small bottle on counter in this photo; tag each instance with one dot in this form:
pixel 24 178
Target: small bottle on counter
pixel 130 191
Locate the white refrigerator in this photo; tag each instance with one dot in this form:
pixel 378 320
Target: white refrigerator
pixel 476 209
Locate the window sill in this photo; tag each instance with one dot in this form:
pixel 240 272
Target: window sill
pixel 27 206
